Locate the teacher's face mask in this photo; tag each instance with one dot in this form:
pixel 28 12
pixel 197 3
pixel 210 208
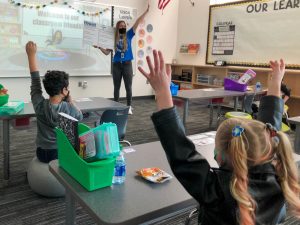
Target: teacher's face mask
pixel 122 30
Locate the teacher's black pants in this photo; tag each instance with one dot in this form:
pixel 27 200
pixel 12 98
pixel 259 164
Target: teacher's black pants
pixel 123 70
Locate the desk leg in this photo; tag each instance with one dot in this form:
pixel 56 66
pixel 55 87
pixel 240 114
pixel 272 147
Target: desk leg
pixel 243 103
pixel 236 102
pixel 297 139
pixel 70 209
pixel 6 150
pixel 185 112
pixel 211 113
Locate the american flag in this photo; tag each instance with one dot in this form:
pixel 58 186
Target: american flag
pixel 163 3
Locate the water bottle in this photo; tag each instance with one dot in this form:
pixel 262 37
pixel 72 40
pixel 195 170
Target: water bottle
pixel 120 170
pixel 258 86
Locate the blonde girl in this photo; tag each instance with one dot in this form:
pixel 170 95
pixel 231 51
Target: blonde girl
pixel 257 175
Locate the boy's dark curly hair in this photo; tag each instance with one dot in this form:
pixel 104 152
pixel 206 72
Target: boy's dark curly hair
pixel 55 81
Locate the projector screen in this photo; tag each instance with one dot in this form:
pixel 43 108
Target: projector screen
pixel 58 32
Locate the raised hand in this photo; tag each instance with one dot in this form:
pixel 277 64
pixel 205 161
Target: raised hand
pixel 31 52
pixel 31 48
pixel 278 70
pixel 274 84
pixel 160 78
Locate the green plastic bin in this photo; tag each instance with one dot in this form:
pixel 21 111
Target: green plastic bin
pixel 3 99
pixel 92 175
pixel 11 107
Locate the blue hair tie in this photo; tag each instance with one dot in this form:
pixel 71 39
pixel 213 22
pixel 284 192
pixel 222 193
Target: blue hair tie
pixel 237 131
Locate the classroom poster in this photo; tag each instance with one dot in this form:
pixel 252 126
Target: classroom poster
pixel 95 34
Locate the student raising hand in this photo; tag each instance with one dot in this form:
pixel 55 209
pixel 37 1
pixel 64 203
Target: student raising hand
pixel 31 49
pixel 160 78
pixel 278 70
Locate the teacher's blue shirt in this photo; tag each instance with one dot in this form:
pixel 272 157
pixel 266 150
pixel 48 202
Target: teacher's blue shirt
pixel 128 56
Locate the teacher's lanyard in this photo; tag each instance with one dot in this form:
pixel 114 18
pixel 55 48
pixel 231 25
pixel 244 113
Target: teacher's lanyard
pixel 121 44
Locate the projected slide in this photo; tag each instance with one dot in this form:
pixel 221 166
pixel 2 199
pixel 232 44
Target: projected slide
pixel 58 32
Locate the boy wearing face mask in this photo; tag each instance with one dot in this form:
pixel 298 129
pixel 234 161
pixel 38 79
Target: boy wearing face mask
pixel 56 84
pixel 122 60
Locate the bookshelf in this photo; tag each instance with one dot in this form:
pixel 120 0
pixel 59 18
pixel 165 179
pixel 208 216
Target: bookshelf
pixel 291 79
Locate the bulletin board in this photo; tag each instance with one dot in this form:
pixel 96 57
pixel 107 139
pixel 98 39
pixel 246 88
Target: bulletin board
pixel 251 33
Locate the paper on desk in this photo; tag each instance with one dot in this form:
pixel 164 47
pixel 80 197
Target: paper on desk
pixel 210 133
pixel 197 137
pixel 128 150
pixel 203 138
pixel 204 141
pixel 83 100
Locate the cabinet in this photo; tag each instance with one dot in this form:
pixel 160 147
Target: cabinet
pixel 217 74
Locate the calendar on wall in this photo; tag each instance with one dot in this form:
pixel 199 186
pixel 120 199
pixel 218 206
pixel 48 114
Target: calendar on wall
pixel 223 41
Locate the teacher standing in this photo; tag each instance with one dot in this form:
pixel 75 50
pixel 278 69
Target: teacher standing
pixel 122 60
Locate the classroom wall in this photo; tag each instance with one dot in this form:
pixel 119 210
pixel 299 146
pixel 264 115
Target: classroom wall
pixel 192 28
pixel 164 38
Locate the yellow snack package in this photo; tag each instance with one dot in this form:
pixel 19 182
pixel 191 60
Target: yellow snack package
pixel 154 174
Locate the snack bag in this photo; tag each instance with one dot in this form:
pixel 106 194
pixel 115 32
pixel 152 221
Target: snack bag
pixel 154 174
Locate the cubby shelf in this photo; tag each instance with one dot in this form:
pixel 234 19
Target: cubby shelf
pixel 207 85
pixel 181 81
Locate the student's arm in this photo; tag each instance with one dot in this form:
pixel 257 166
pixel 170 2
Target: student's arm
pixel 271 106
pixel 160 78
pixel 105 51
pixel 285 98
pixel 36 87
pixel 286 92
pixel 31 52
pixel 140 19
pixel 190 168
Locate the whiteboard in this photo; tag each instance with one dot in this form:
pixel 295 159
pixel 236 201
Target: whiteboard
pixel 57 30
pixel 251 33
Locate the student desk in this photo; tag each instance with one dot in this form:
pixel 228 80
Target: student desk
pixel 136 201
pixel 209 94
pixel 85 104
pixel 296 121
pixel 205 94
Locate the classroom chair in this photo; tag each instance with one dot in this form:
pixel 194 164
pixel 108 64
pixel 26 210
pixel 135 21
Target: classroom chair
pixel 242 115
pixel 285 127
pixel 120 118
pixel 247 107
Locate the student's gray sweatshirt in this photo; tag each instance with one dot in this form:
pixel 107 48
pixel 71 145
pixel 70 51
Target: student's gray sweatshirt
pixel 47 113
